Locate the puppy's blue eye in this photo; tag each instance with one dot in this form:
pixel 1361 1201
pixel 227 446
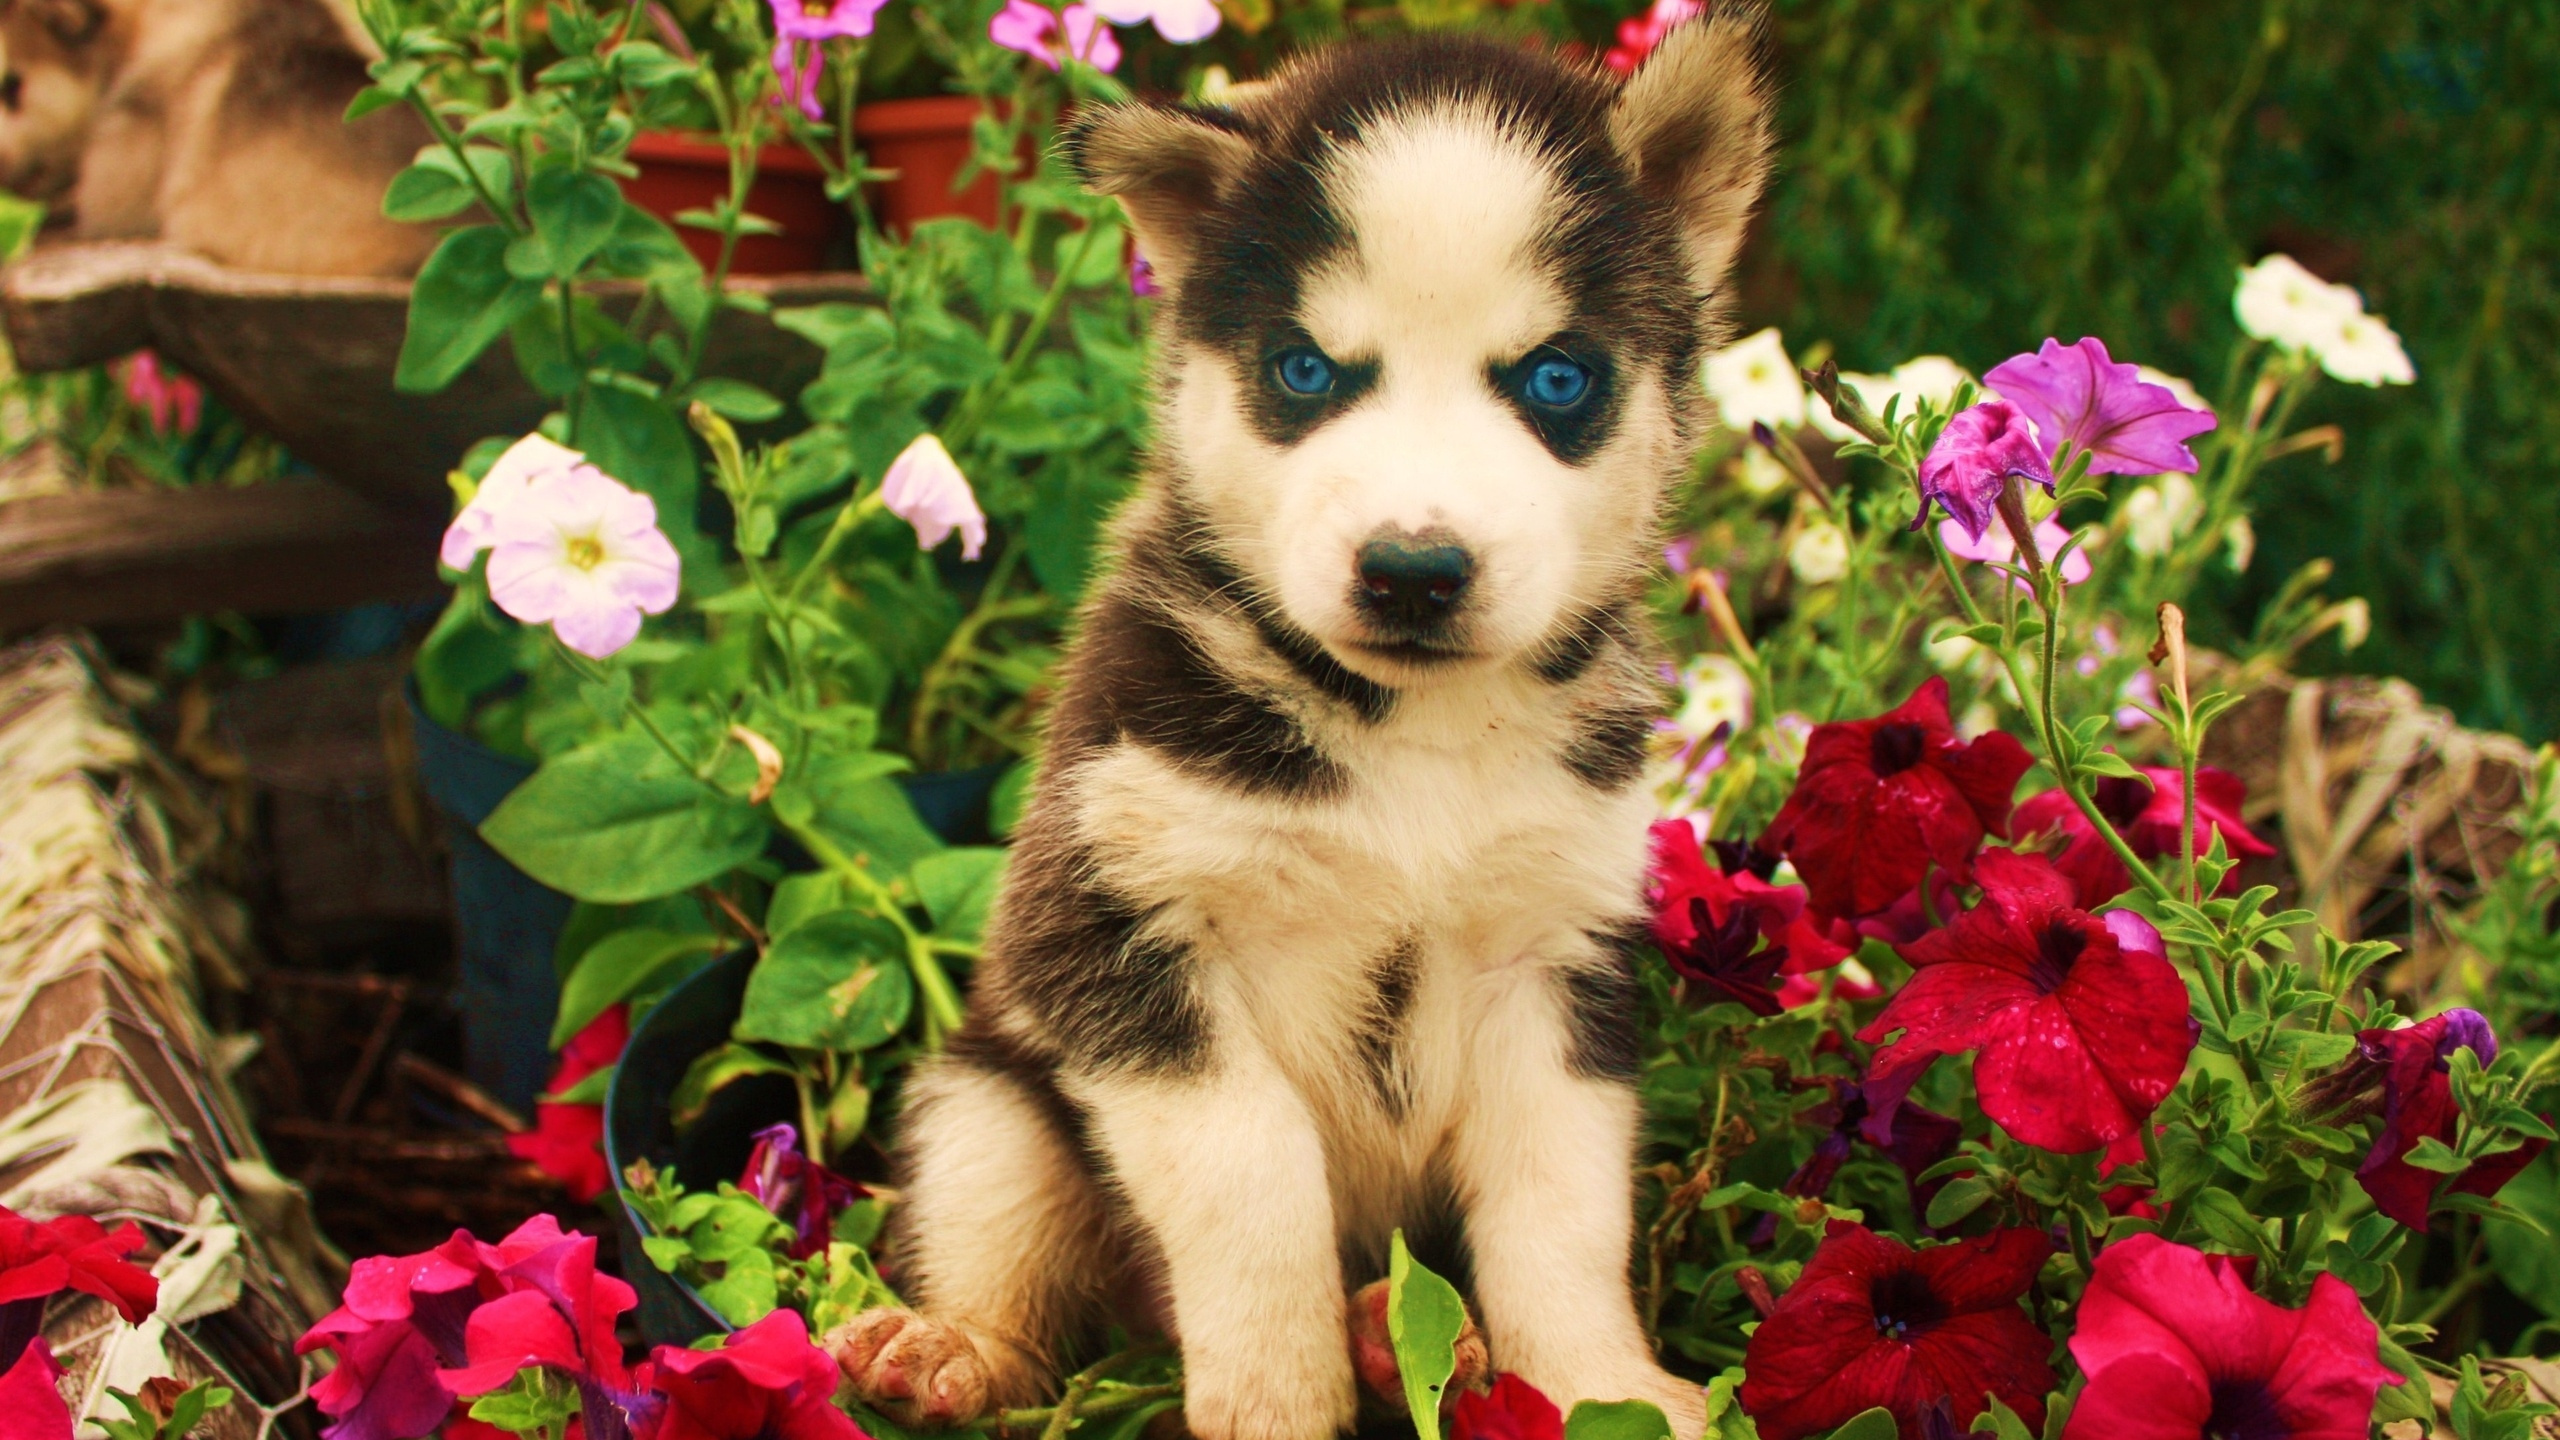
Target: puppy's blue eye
pixel 1303 371
pixel 1557 382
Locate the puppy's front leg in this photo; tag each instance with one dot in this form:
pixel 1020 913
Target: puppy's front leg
pixel 1543 1156
pixel 1225 1170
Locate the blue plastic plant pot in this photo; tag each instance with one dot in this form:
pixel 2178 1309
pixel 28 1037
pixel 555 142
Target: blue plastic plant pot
pixel 507 924
pixel 638 1123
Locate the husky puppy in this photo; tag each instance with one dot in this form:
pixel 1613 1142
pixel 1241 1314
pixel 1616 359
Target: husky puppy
pixel 1319 922
pixel 211 124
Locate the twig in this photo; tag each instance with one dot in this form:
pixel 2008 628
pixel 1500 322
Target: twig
pixel 352 1092
pixel 460 1091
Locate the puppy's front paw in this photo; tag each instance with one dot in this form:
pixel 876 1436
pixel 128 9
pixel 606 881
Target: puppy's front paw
pixel 1269 1392
pixel 916 1371
pixel 1373 1351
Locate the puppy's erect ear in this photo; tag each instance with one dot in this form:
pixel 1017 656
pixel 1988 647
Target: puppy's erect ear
pixel 1167 165
pixel 1693 123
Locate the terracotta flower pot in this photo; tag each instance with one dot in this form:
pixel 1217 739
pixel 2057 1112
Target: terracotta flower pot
pixel 927 142
pixel 686 172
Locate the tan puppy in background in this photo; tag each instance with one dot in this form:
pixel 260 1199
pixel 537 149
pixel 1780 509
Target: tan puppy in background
pixel 210 124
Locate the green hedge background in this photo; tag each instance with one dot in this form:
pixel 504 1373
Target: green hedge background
pixel 1968 176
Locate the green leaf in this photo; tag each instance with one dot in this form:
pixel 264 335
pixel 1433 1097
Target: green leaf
pixel 643 443
pixel 1012 796
pixel 574 213
pixel 1875 1424
pixel 616 822
pixel 2526 1265
pixel 1957 1200
pixel 2230 1223
pixel 1617 1420
pixel 838 982
pixel 534 1400
pixel 427 192
pixel 2003 1422
pixel 2433 1154
pixel 736 400
pixel 713 1069
pixel 865 814
pixel 619 967
pixel 1424 1319
pixel 958 886
pixel 462 302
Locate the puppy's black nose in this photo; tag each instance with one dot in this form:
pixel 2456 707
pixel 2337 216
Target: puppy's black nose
pixel 1410 583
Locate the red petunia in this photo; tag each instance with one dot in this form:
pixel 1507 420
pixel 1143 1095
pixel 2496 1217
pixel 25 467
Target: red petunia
pixel 2146 812
pixel 2177 1347
pixel 1733 933
pixel 73 1252
pixel 1873 1322
pixel 1513 1410
pixel 2415 1068
pixel 2081 1023
pixel 1879 801
pixel 765 1382
pixel 567 1141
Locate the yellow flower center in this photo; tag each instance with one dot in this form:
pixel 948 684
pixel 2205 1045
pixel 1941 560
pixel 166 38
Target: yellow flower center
pixel 817 9
pixel 586 552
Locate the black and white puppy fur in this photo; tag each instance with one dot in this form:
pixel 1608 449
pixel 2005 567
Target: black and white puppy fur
pixel 1317 925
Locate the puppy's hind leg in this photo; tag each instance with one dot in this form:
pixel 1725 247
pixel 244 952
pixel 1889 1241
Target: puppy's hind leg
pixel 1001 1233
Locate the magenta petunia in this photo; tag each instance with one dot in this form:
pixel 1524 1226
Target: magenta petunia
pixel 1972 462
pixel 1052 36
pixel 765 1382
pixel 1879 801
pixel 2076 393
pixel 2146 812
pixel 2081 1023
pixel 800 27
pixel 2177 1347
pixel 1873 1322
pixel 803 1192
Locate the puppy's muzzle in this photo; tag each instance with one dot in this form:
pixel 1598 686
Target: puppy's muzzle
pixel 1411 585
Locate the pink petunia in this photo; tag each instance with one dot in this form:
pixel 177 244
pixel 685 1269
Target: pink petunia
pixel 925 488
pixel 582 553
pixel 2177 1347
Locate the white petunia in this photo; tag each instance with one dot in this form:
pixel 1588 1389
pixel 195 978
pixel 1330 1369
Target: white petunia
pixel 2158 513
pixel 581 552
pixel 1759 473
pixel 1820 553
pixel 2279 301
pixel 516 471
pixel 2362 350
pixel 1180 21
pixel 2186 393
pixel 1753 382
pixel 1714 691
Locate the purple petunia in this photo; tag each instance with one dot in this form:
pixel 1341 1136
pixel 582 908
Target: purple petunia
pixel 2077 393
pixel 1973 460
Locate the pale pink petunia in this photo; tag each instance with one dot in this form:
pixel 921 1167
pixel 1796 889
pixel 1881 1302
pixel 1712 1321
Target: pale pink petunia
pixel 925 488
pixel 515 472
pixel 582 552
pixel 1183 22
pixel 1035 30
pixel 1996 547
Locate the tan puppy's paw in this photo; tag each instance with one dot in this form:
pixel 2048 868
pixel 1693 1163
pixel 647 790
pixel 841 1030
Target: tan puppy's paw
pixel 914 1370
pixel 1373 1352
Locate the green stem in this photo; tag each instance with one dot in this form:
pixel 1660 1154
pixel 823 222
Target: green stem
pixel 970 412
pixel 941 998
pixel 2069 778
pixel 1110 1404
pixel 856 509
pixel 588 670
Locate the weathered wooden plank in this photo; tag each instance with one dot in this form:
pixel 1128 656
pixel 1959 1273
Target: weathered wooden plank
pixel 109 556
